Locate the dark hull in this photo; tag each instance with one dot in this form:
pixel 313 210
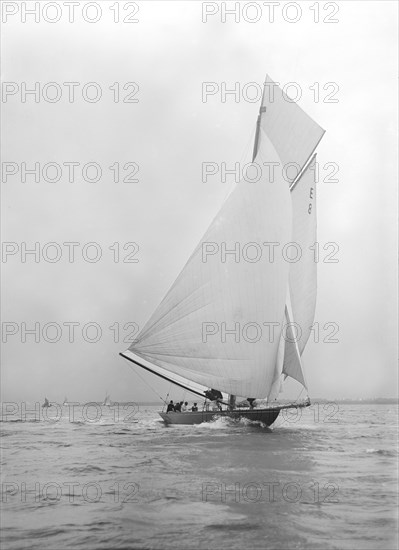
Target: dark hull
pixel 266 416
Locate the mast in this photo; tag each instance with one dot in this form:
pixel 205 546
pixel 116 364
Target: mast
pixel 261 110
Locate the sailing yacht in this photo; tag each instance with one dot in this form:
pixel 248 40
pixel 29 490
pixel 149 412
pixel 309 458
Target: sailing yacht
pixel 107 401
pixel 204 336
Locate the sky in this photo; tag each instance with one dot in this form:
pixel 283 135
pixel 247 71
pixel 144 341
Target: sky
pixel 163 61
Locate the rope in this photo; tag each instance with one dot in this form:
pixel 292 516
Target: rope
pixel 300 393
pixel 244 154
pixel 147 384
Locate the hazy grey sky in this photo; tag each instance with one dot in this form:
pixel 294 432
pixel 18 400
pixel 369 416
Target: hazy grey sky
pixel 169 53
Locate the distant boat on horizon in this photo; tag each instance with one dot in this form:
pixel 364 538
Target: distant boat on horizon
pixel 107 401
pixel 46 403
pixel 185 341
pixel 65 401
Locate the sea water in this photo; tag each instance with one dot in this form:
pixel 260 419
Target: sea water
pixel 95 477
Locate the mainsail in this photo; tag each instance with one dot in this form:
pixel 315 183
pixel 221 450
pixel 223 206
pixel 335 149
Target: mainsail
pixel 217 292
pixel 212 329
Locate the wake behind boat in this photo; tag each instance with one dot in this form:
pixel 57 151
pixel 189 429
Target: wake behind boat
pixel 266 415
pixel 207 331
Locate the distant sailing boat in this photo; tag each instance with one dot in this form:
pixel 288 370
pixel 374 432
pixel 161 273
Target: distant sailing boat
pixel 205 333
pixel 65 401
pixel 46 403
pixel 107 402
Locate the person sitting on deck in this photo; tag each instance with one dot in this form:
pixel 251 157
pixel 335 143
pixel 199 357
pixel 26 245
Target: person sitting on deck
pixel 251 401
pixel 171 407
pixel 184 407
pixel 194 408
pixel 178 407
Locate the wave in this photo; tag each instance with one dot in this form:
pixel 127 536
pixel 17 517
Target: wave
pixel 224 422
pixel 84 469
pixel 218 424
pixel 383 452
pixel 285 425
pixel 17 420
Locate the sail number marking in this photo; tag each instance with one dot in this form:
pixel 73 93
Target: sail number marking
pixel 311 198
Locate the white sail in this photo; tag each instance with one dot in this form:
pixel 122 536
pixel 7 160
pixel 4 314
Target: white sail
pixel 215 291
pixel 198 336
pixel 289 359
pixel 107 401
pixel 292 359
pixel 301 301
pixel 292 132
pixel 303 273
pixel 276 386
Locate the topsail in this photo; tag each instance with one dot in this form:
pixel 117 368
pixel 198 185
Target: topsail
pixel 292 132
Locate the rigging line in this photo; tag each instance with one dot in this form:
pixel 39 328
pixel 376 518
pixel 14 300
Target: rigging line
pixel 305 166
pixel 161 375
pixel 299 395
pixel 147 384
pixel 247 146
pixel 244 154
pixel 166 400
